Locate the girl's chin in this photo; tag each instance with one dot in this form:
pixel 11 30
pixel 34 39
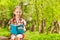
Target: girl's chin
pixel 18 15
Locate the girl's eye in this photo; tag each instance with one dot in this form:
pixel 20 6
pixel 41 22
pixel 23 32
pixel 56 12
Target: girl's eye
pixel 18 12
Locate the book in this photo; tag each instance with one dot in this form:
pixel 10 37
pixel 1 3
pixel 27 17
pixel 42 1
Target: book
pixel 16 29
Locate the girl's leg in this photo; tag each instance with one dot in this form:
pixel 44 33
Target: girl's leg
pixel 20 36
pixel 12 37
pixel 16 38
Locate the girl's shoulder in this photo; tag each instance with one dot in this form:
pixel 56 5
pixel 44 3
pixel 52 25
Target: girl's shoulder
pixel 22 19
pixel 10 20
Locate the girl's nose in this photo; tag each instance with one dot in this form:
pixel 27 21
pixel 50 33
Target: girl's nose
pixel 18 12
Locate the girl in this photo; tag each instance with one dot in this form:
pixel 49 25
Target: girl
pixel 17 20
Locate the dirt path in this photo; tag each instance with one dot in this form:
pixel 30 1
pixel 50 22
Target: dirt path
pixel 6 38
pixel 3 38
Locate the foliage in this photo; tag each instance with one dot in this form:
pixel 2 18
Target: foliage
pixel 33 10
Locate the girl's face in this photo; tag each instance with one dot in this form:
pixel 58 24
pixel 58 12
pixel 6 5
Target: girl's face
pixel 18 11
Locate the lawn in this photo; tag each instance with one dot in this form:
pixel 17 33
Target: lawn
pixel 32 35
pixel 37 36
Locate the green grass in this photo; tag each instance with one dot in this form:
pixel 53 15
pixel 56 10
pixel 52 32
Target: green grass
pixel 32 35
pixel 4 32
pixel 37 36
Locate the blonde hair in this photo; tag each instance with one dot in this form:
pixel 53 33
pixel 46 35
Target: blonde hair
pixel 17 7
pixel 12 21
pixel 20 7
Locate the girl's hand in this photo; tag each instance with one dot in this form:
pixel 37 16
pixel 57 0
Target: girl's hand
pixel 24 29
pixel 9 28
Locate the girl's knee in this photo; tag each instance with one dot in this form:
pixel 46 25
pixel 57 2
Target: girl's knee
pixel 13 37
pixel 20 36
pixel 16 38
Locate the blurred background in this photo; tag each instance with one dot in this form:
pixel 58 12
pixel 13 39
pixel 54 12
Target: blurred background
pixel 42 17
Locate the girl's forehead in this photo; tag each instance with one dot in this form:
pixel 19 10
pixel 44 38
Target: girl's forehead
pixel 18 7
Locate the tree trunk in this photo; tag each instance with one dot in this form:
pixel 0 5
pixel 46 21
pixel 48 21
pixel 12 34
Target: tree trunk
pixel 59 27
pixel 33 28
pixel 54 27
pixel 43 26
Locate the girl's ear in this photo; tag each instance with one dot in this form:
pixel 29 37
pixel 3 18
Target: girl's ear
pixel 14 12
pixel 13 15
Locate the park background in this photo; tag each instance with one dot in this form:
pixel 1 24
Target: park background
pixel 42 17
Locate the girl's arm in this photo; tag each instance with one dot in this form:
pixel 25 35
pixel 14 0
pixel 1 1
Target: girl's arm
pixel 9 23
pixel 24 28
pixel 25 25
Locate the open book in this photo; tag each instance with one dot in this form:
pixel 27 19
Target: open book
pixel 14 29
